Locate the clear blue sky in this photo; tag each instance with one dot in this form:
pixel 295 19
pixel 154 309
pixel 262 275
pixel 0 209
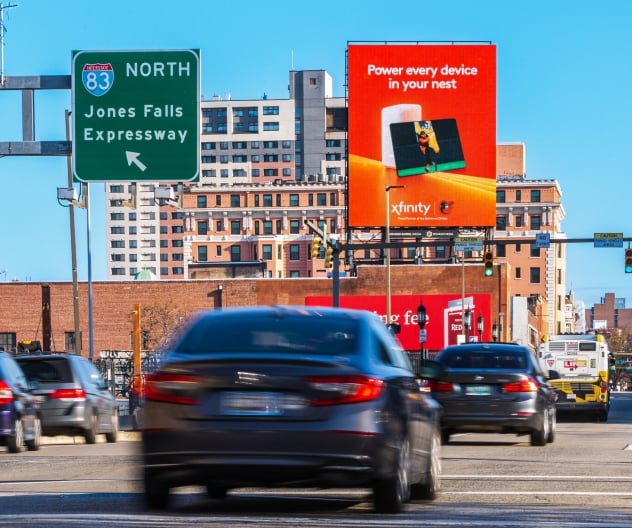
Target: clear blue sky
pixel 564 90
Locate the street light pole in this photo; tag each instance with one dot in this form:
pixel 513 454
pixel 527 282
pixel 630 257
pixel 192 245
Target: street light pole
pixel 388 250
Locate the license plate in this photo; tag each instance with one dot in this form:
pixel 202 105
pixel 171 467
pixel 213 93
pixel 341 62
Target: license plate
pixel 251 404
pixel 571 397
pixel 478 390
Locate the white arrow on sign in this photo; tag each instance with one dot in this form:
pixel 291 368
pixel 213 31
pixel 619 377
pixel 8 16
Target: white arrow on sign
pixel 132 157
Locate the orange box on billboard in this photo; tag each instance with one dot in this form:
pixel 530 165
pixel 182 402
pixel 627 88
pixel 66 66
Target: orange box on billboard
pixel 422 123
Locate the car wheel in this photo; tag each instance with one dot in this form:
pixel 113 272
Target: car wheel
pixel 539 436
pixel 429 488
pixel 34 443
pixel 15 443
pixel 90 434
pixel 552 426
pixel 156 492
pixel 390 494
pixel 112 436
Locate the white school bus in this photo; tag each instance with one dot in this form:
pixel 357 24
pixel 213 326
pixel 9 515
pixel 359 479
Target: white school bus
pixel 582 362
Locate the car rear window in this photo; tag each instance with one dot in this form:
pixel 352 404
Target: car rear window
pixel 47 370
pixel 483 359
pixel 268 335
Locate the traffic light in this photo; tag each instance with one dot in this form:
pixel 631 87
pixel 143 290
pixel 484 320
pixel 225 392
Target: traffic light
pixel 329 256
pixel 488 262
pixel 628 260
pixel 316 244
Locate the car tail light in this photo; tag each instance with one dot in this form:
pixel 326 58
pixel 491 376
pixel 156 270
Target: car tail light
pixel 441 386
pixel 523 385
pixel 68 394
pixel 6 394
pixel 172 388
pixel 345 389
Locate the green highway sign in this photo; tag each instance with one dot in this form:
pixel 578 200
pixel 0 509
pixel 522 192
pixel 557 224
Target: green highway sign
pixel 136 115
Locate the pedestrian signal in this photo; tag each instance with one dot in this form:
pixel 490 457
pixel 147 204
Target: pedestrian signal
pixel 316 244
pixel 488 262
pixel 628 260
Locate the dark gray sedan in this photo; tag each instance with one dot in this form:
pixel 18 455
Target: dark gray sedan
pixel 493 388
pixel 289 397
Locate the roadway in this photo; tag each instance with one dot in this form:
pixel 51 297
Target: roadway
pixel 582 479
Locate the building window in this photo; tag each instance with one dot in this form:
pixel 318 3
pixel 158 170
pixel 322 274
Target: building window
pixel 178 270
pixel 501 223
pixel 518 220
pixel 177 243
pixel 201 201
pixel 218 251
pixel 218 226
pixel 235 227
pixel 440 251
pixel 177 229
pixel 117 216
pixel 534 275
pixel 267 200
pixel 321 199
pixel 518 248
pixel 117 230
pixel 117 244
pixel 202 228
pixel 202 253
pixel 500 196
pixel 294 200
pixel 257 200
pixel 535 196
pixel 234 200
pixel 178 257
pixel 286 158
pixel 518 273
pixel 118 271
pixel 255 144
pixel 518 195
pixel 271 144
pixel 279 227
pixel 278 200
pixel 270 110
pixel 535 251
pixel 267 227
pixel 332 143
pixel 535 222
pixel 270 126
pixel 266 251
pixel 295 227
pixel 501 250
pixel 164 271
pixel 295 253
pixel 270 158
pixel 287 172
pixel 235 253
pixel 270 172
pixel 332 198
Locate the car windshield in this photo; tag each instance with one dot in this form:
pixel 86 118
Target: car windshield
pixel 264 335
pixel 484 359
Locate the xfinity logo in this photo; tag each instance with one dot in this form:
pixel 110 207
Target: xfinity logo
pixel 407 208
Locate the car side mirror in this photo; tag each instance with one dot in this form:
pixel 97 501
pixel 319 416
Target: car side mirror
pixel 553 374
pixel 394 328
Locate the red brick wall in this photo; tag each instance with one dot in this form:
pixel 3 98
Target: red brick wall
pixel 21 303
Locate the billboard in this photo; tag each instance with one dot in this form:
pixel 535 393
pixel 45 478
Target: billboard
pixel 422 128
pixel 444 314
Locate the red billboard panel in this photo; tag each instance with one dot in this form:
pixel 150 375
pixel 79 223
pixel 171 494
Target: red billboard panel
pixel 422 124
pixel 444 316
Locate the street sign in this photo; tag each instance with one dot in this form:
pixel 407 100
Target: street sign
pixel 542 241
pixel 468 244
pixel 608 240
pixel 136 115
